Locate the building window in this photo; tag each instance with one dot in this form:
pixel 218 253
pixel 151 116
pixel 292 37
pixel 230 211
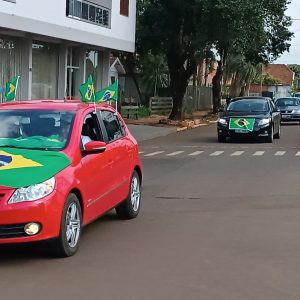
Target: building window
pixel 88 12
pixel 10 62
pixel 44 70
pixel 124 7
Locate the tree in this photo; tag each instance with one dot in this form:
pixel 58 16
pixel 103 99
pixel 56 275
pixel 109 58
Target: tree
pixel 296 83
pixel 257 30
pixel 155 73
pixel 254 29
pixel 170 27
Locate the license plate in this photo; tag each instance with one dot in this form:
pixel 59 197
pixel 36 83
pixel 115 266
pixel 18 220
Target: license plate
pixel 286 116
pixel 241 131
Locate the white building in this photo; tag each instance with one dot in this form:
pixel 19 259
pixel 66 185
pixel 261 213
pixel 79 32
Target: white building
pixel 55 44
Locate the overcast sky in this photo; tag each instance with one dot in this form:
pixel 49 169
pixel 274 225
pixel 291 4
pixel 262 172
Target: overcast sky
pixel 293 56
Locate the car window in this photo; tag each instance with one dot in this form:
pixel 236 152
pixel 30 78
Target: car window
pixel 38 129
pixel 287 102
pixel 112 125
pixel 245 105
pixel 90 129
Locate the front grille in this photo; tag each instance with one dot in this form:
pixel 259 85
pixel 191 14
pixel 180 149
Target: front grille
pixel 12 231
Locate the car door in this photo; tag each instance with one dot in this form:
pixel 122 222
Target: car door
pixel 96 177
pixel 119 145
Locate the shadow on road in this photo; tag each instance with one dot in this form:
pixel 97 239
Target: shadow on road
pixel 17 253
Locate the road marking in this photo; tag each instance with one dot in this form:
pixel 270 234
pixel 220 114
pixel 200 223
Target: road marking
pixel 196 153
pixel 141 152
pixel 175 153
pixel 298 153
pixel 259 153
pixel 280 153
pixel 216 153
pixel 154 153
pixel 237 153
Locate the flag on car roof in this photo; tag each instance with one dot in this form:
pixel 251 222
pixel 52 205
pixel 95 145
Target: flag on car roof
pixel 87 90
pixel 11 89
pixel 109 93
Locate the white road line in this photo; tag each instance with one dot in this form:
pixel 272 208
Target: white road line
pixel 175 153
pixel 216 153
pixel 154 153
pixel 259 153
pixel 141 152
pixel 196 153
pixel 280 153
pixel 237 153
pixel 298 153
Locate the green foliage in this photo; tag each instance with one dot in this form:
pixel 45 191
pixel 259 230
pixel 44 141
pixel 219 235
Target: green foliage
pixel 144 112
pixel 185 30
pixel 155 73
pixel 296 83
pixel 266 79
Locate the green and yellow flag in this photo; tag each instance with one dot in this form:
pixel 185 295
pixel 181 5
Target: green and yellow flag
pixel 87 90
pixel 242 123
pixel 109 93
pixel 11 89
pixel 25 167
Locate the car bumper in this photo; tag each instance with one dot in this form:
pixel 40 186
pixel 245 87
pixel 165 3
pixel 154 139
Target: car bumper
pixel 13 218
pixel 262 131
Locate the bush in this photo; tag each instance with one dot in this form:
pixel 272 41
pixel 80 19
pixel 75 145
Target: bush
pixel 144 112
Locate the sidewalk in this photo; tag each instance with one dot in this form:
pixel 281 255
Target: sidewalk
pixel 157 126
pixel 146 132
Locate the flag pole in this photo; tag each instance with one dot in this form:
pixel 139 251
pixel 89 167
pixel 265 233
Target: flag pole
pixel 17 87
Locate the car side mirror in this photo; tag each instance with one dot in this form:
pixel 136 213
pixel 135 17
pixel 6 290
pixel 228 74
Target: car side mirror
pixel 94 147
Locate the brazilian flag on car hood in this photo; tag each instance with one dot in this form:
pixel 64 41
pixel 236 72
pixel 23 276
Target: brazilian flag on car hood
pixel 24 167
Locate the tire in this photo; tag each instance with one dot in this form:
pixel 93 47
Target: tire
pixel 270 137
pixel 65 246
pixel 130 208
pixel 278 134
pixel 221 138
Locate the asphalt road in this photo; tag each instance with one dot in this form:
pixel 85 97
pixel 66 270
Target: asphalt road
pixel 218 222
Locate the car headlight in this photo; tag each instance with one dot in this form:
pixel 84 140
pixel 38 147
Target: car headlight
pixel 264 122
pixel 222 121
pixel 296 111
pixel 33 192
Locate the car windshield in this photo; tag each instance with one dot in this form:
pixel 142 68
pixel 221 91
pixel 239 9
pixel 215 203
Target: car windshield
pixel 248 105
pixel 287 102
pixel 35 129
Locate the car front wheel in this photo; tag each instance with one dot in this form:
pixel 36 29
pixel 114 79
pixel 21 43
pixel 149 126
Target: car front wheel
pixel 130 208
pixel 221 138
pixel 270 135
pixel 67 243
pixel 278 134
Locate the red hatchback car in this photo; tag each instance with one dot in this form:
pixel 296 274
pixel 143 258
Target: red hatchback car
pixel 62 165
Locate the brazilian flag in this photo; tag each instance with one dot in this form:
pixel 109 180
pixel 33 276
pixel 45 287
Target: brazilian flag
pixel 87 90
pixel 109 93
pixel 242 123
pixel 25 167
pixel 11 89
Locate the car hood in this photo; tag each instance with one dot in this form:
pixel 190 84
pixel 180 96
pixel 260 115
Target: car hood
pixel 229 114
pixel 24 167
